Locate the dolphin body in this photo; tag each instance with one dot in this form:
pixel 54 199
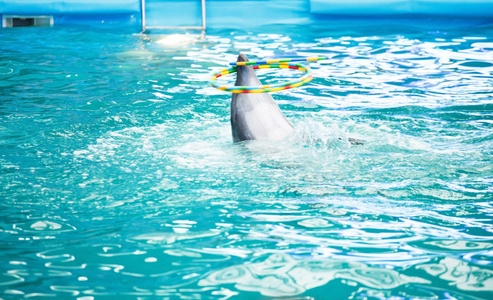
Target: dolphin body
pixel 255 116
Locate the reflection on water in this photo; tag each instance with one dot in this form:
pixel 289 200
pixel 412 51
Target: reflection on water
pixel 44 226
pixel 169 238
pixel 280 275
pixel 461 275
pixel 461 245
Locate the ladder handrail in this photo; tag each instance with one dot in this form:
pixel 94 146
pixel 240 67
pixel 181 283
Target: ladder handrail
pixel 203 13
pixel 143 17
pixel 143 14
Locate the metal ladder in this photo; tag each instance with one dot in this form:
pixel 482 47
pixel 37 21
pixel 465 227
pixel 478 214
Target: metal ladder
pixel 144 27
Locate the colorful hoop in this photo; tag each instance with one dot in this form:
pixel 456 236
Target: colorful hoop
pixel 267 64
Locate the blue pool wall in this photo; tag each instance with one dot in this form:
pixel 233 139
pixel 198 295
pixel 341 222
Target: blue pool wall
pixel 455 8
pixel 236 13
pixel 117 12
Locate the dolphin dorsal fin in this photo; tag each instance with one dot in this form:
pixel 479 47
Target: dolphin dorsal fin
pixel 245 75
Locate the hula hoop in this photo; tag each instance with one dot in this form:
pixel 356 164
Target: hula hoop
pixel 267 64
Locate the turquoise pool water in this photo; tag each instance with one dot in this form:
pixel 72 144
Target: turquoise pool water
pixel 119 178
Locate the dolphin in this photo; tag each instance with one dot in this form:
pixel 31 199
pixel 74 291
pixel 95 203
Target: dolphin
pixel 255 116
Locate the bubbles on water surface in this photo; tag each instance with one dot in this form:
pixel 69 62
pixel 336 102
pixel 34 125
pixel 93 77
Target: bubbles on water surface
pixel 317 135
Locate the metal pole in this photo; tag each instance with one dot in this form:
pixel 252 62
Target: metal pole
pixel 203 14
pixel 143 14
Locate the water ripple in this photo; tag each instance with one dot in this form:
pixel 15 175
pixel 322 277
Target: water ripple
pixel 280 276
pixel 119 177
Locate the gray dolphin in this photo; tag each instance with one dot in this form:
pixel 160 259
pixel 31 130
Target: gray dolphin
pixel 255 116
